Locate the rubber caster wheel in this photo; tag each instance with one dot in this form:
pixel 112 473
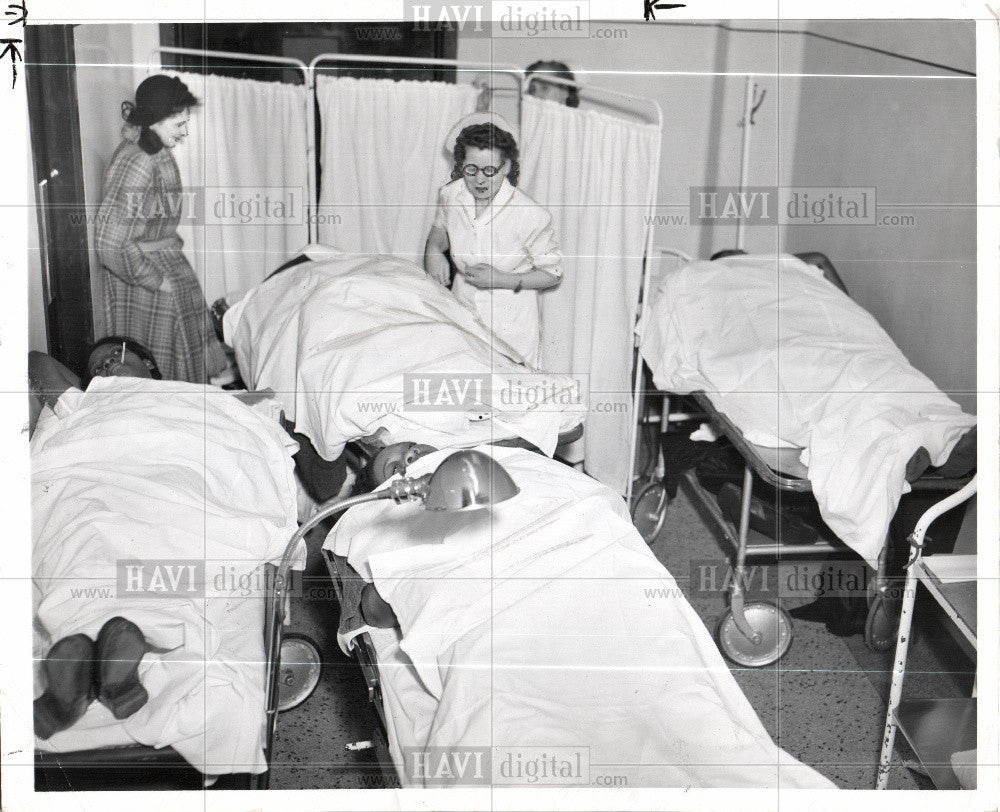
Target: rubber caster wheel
pixel 299 672
pixel 882 623
pixel 649 510
pixel 772 623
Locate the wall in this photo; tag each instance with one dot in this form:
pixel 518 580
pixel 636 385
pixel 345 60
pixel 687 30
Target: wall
pixel 673 65
pixel 110 61
pixel 914 140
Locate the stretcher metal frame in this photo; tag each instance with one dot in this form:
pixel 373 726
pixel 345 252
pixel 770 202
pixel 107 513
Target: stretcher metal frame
pixel 916 541
pixel 779 468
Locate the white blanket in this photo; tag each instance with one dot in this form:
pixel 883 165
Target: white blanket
pixel 197 490
pixel 337 340
pixel 792 360
pixel 547 623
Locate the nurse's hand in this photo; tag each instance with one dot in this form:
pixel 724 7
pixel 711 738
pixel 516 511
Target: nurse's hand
pixel 484 276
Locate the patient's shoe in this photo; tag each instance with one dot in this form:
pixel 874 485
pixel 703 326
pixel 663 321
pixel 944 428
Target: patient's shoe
pixel 962 460
pixel 69 671
pixel 917 464
pixel 120 648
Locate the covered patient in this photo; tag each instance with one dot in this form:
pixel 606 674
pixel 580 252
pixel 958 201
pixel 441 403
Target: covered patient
pixel 792 361
pixel 144 492
pixel 546 622
pixel 365 346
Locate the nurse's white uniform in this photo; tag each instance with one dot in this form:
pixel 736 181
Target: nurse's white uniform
pixel 514 235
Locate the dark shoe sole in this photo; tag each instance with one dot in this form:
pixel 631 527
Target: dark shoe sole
pixel 69 671
pixel 120 648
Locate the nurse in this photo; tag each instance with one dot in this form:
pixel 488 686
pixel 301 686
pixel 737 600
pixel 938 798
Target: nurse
pixel 500 240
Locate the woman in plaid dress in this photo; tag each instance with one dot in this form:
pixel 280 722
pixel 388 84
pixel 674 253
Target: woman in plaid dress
pixel 151 293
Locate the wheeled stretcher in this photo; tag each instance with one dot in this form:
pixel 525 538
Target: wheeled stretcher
pixel 759 633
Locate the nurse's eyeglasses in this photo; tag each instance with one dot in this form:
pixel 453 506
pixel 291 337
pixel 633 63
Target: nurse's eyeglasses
pixel 470 170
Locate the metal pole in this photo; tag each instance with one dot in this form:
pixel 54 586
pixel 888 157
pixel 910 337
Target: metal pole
pixel 898 672
pixel 745 152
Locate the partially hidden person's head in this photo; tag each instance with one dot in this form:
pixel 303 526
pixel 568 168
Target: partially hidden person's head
pixel 485 154
pixel 393 459
pixel 728 252
pixel 553 91
pixel 120 356
pixel 162 109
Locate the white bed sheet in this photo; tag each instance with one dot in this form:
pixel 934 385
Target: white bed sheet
pixel 547 622
pixel 334 338
pixel 793 361
pixel 167 472
pixel 229 677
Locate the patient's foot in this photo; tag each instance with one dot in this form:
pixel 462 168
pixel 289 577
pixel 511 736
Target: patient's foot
pixel 376 611
pixel 120 648
pixel 962 460
pixel 917 464
pixel 69 671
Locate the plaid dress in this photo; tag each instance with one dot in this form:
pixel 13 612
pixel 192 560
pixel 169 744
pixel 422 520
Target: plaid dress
pixel 138 246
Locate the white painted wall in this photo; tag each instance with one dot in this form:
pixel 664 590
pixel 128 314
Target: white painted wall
pixel 914 140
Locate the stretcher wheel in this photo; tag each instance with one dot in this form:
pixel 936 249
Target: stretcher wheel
pixel 649 510
pixel 299 673
pixel 772 623
pixel 882 623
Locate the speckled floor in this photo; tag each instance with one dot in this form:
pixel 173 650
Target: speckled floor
pixel 824 702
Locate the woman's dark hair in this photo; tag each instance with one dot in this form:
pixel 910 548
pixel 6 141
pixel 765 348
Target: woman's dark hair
pixel 486 136
pixel 156 98
pixel 132 346
pixel 559 69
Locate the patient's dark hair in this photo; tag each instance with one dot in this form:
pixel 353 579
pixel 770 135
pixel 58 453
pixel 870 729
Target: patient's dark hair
pixel 486 136
pixel 132 346
pixel 559 69
pixel 728 252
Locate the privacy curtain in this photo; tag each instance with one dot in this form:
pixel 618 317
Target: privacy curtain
pixel 383 160
pixel 595 174
pixel 245 161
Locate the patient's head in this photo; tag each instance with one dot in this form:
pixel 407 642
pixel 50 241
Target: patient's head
pixel 394 459
pixel 119 356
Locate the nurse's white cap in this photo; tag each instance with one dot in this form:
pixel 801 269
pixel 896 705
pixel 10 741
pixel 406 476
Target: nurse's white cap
pixel 485 117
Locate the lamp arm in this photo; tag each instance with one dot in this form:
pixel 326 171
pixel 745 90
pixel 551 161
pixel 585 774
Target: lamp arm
pixel 325 510
pixel 277 614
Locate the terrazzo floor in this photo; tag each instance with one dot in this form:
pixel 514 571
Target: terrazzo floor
pixel 824 701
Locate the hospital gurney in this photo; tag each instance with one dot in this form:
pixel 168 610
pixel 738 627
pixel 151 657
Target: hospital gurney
pixel 786 358
pixel 758 633
pixel 115 477
pixel 562 547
